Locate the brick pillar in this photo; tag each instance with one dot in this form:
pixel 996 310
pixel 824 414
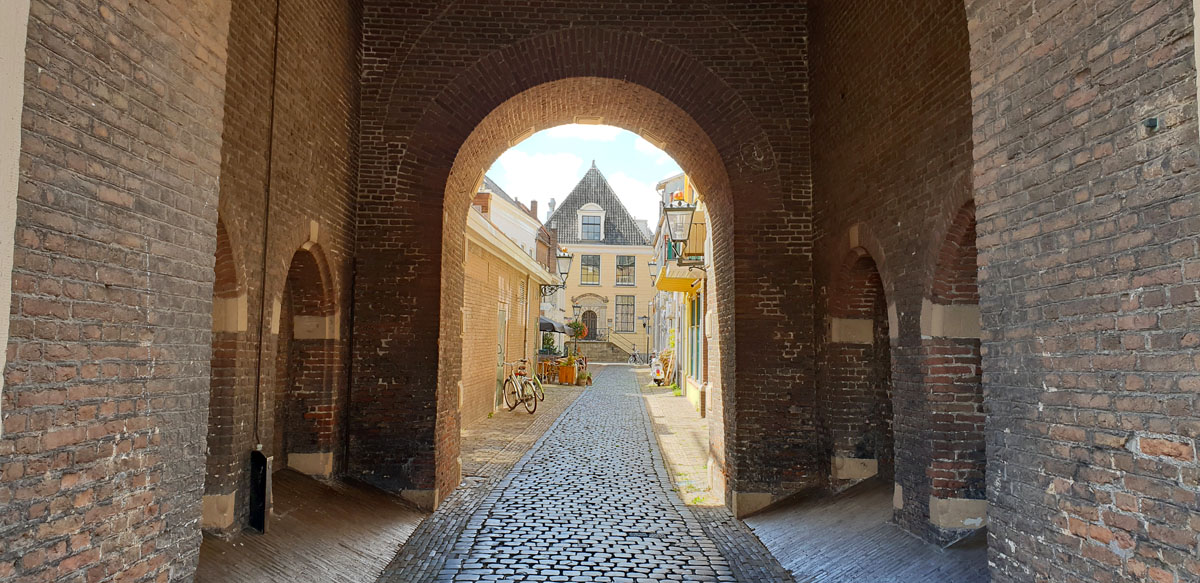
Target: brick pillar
pixel 950 352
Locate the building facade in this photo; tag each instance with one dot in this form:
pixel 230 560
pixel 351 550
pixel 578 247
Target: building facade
pixel 500 300
pixel 609 280
pixel 681 317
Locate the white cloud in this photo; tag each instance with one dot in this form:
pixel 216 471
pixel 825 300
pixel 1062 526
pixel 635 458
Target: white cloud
pixel 594 133
pixel 672 173
pixel 537 177
pixel 639 197
pixel 645 147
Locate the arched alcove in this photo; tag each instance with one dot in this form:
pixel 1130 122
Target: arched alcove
pixel 305 422
pixel 230 348
pixel 857 387
pixel 951 367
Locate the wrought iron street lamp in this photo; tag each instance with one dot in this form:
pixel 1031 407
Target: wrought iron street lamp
pixel 653 265
pixel 646 326
pixel 563 261
pixel 679 222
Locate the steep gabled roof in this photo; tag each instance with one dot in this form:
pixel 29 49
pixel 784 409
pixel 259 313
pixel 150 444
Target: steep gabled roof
pixel 490 185
pixel 619 226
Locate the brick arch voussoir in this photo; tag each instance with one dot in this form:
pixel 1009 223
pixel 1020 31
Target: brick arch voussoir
pixel 955 270
pixel 588 52
pixel 443 158
pixel 228 281
pixel 311 281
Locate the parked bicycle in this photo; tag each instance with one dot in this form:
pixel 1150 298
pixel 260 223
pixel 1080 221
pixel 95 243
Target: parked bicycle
pixel 516 387
pixel 535 382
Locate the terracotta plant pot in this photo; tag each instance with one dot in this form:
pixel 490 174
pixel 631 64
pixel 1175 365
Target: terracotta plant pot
pixel 566 374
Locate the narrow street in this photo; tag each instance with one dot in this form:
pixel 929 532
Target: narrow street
pixel 590 501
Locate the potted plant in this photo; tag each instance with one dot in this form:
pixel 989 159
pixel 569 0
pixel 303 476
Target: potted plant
pixel 587 378
pixel 566 371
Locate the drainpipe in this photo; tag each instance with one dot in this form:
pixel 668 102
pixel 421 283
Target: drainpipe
pixel 266 231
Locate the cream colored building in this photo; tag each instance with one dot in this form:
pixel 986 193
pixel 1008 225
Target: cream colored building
pixel 500 313
pixel 609 278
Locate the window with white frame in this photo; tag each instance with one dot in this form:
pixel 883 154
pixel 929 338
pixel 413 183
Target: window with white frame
pixel 625 270
pixel 589 270
pixel 591 222
pixel 590 228
pixel 624 319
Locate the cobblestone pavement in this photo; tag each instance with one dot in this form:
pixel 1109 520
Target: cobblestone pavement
pixel 490 448
pixel 683 438
pixel 590 501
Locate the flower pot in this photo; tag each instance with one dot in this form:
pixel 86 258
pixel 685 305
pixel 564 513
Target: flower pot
pixel 566 374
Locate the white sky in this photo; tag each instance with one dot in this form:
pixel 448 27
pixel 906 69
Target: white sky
pixel 551 162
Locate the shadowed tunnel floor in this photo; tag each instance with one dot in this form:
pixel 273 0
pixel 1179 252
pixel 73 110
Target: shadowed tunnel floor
pixel 319 532
pixel 848 539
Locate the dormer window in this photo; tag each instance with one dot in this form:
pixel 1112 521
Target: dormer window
pixel 591 222
pixel 591 228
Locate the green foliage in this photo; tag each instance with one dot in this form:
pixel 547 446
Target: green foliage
pixel 675 390
pixel 578 329
pixel 548 343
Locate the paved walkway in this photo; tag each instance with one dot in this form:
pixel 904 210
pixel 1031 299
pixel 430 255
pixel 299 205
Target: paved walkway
pixel 849 538
pixel 319 532
pixel 591 501
pixel 683 438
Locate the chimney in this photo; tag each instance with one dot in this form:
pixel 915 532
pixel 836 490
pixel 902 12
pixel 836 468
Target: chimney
pixel 550 210
pixel 533 209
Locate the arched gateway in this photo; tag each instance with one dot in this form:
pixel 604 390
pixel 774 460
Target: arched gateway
pixel 598 75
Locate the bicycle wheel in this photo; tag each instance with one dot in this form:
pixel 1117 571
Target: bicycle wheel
pixel 512 394
pixel 528 397
pixel 536 384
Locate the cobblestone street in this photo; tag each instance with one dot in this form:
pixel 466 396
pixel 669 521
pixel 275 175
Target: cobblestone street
pixel 591 501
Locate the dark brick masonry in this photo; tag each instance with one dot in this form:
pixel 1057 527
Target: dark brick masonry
pixel 814 129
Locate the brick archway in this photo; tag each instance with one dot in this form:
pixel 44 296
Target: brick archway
pixel 857 367
pixel 305 430
pixel 952 377
pixel 231 351
pixel 424 183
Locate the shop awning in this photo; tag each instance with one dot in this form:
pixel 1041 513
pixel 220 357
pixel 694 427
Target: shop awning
pixel 547 325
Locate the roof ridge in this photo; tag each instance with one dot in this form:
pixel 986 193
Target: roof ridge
pixel 620 204
pixel 623 228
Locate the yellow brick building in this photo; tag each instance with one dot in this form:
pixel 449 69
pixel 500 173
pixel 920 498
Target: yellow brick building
pixel 500 313
pixel 609 279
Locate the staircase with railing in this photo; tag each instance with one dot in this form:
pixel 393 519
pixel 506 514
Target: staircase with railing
pixel 603 345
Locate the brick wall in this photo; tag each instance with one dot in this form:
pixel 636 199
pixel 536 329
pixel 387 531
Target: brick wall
pixel 855 374
pixel 891 109
pixel 291 118
pixel 491 285
pixel 1088 224
pixel 433 119
pixel 106 384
